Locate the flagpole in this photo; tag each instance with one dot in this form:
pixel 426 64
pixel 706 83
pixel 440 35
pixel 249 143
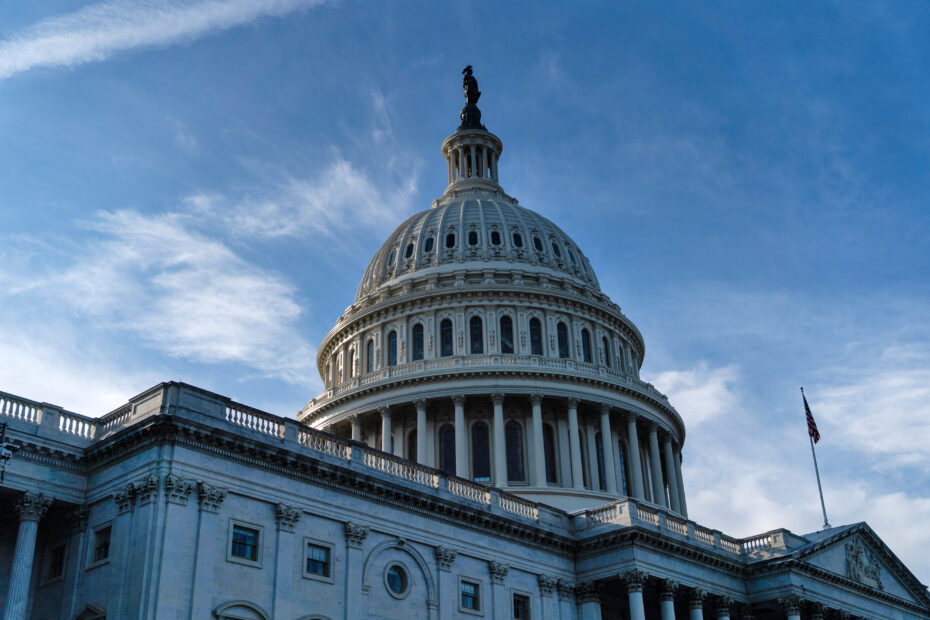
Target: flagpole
pixel 823 507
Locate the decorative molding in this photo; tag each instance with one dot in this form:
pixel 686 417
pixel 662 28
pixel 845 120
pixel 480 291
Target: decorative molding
pixel 420 404
pixel 791 605
pixel 355 419
pixel 210 497
pixel 458 399
pixel 862 565
pixel 177 489
pixel 816 611
pixel 572 403
pixel 498 571
pixel 566 590
pixel 605 408
pixel 32 506
pixel 287 517
pixel 536 399
pixel 667 589
pixel 633 580
pixel 125 499
pixel 445 558
pixel 722 606
pixel 497 399
pixel 78 519
pixel 146 490
pixel 355 534
pixel 696 598
pixel 547 584
pixel 587 592
pixel 385 411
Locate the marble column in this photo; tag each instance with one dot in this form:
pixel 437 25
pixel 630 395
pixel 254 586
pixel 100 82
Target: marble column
pixel 636 468
pixel 448 588
pixel 610 472
pixel 667 599
pixel 484 163
pixel 539 449
pixel 385 412
pixel 589 602
pixel 500 445
pixel 633 581
pixel 681 484
pixel 696 604
pixel 674 497
pixel 817 611
pixel 658 487
pixel 791 606
pixel 594 477
pixel 356 421
pixel 722 611
pixel 461 437
pixel 474 168
pixel 355 539
pixel 421 431
pixel 30 508
pixel 574 440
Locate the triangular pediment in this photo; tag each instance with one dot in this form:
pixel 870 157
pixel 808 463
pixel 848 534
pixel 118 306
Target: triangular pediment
pixel 858 554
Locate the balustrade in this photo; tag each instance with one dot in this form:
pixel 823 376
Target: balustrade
pixel 519 506
pixel 470 490
pixel 254 420
pixel 402 468
pixel 20 408
pixel 321 442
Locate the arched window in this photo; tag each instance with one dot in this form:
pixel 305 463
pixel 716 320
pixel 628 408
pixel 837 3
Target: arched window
pixel 428 246
pixel 606 344
pixel 495 238
pixel 409 251
pixel 350 365
pixel 445 338
pixel 571 256
pixel 450 240
pixel 556 250
pixel 475 335
pixel 480 453
pixel 392 257
pixel 549 450
pixel 536 339
pixel 370 356
pixel 537 243
pixel 517 240
pixel 392 349
pixel 447 449
pixel 412 445
pixel 562 332
pixel 417 341
pixel 601 469
pixel 586 345
pixel 506 334
pixel 513 433
pixel 472 237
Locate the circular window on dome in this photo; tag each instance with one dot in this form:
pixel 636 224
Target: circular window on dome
pixel 537 243
pixel 396 581
pixel 517 240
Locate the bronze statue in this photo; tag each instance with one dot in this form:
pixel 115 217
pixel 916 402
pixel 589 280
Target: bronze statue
pixel 471 115
pixel 470 85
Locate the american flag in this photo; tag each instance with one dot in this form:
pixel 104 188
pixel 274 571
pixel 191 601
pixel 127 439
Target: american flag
pixel 811 425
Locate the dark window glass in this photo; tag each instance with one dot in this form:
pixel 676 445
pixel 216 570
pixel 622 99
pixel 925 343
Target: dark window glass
pixel 480 452
pixel 495 238
pixel 562 332
pixel 521 607
pixel 601 469
pixel 606 344
pixel 622 471
pixel 428 246
pixel 392 349
pixel 506 334
pixel 517 240
pixel 370 356
pixel 556 250
pixel 476 335
pixel 412 445
pixel 447 449
pixel 445 338
pixel 536 341
pixel 245 543
pixel 392 257
pixel 472 237
pixel 621 362
pixel 549 450
pixel 397 579
pixel 586 345
pixel 318 560
pixel 513 433
pixel 537 243
pixel 450 240
pixel 102 544
pixel 571 256
pixel 418 341
pixel 470 596
pixel 409 251
pixel 56 562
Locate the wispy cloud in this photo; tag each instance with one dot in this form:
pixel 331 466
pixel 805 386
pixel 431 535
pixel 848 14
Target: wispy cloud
pixel 98 31
pixel 703 392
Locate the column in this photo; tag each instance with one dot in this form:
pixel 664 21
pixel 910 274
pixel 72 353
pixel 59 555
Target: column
pixel 589 602
pixel 566 593
pixel 421 431
pixel 209 498
pixel 448 589
pixel 539 448
pixel 671 476
pixel 484 163
pixel 634 581
pixel 792 606
pixel 451 173
pixel 500 446
pixel 286 517
pixel 667 599
pixel 461 152
pixel 610 471
pixel 636 468
pixel 565 453
pixel 474 169
pixel 356 421
pixel 461 435
pixel 498 595
pixel 494 167
pixel 696 604
pixel 548 604
pixel 575 442
pixel 593 471
pixel 817 611
pixel 722 611
pixel 30 508
pixel 385 412
pixel 658 487
pixel 681 484
pixel 76 551
pixel 355 538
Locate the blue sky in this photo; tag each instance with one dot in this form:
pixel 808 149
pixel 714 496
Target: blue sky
pixel 191 190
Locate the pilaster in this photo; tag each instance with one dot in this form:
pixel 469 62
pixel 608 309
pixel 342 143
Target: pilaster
pixel 30 507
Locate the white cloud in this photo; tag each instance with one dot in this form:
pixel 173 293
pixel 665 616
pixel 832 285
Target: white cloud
pixel 700 393
pixel 98 31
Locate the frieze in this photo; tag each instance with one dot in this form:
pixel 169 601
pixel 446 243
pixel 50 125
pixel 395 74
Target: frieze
pixel 862 565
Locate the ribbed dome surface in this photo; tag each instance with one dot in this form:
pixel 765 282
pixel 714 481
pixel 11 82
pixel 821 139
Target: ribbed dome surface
pixel 478 227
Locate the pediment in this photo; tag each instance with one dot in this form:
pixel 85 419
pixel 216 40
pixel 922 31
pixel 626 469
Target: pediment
pixel 859 555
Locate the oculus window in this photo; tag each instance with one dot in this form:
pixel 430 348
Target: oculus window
pixel 398 584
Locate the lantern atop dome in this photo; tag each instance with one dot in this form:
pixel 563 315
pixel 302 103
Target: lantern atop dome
pixel 471 153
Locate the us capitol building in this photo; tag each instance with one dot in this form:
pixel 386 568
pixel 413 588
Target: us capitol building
pixel 483 448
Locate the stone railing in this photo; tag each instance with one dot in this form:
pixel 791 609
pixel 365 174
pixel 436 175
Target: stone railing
pixel 254 420
pixel 519 506
pixel 321 442
pixel 400 468
pixel 20 409
pixel 75 424
pixel 470 490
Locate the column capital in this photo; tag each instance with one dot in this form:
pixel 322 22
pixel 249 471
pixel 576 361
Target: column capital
pixel 210 497
pixel 420 404
pixel 747 611
pixel 498 571
pixel 566 590
pixel 78 519
pixel 355 534
pixel 634 580
pixel 287 517
pixel 696 598
pixel 177 489
pixel 497 399
pixel 125 499
pixel 791 604
pixel 587 592
pixel 445 557
pixel 838 614
pixel 536 399
pixel 667 589
pixel 385 411
pixel 355 419
pixel 572 402
pixel 722 606
pixel 458 399
pixel 547 584
pixel 605 408
pixel 816 611
pixel 32 506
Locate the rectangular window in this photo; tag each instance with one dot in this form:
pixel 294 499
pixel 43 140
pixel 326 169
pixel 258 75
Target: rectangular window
pixel 102 544
pixel 318 560
pixel 56 562
pixel 471 598
pixel 521 607
pixel 244 543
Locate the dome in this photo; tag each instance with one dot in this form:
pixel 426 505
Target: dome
pixel 484 227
